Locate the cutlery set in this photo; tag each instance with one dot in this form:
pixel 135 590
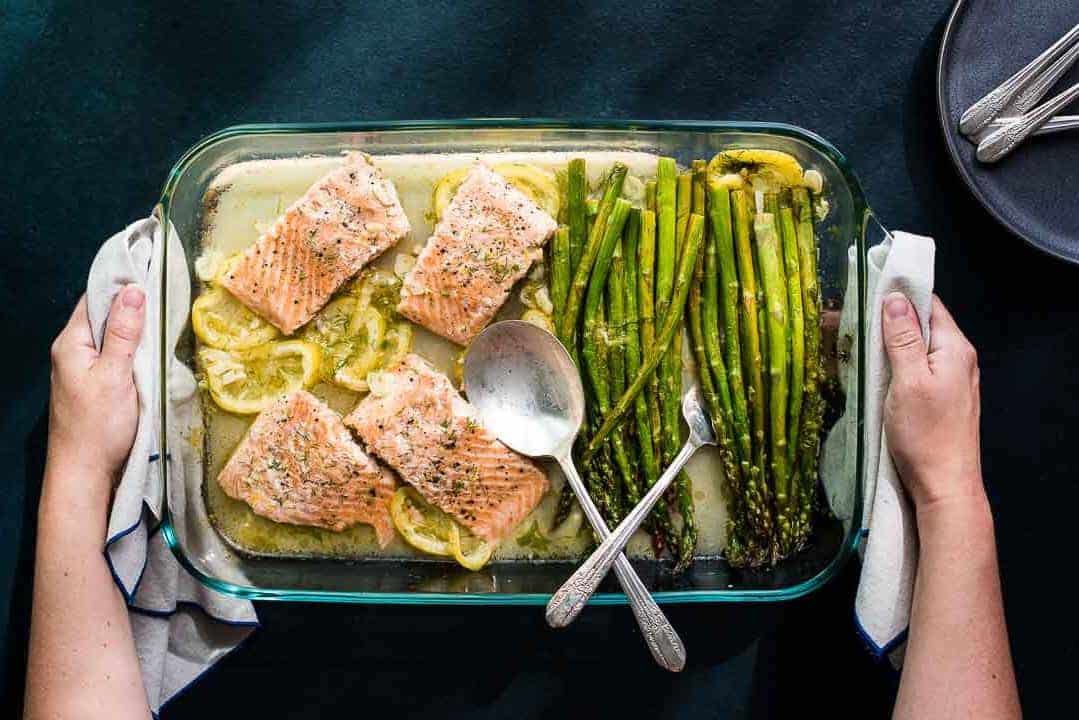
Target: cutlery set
pixel 1009 114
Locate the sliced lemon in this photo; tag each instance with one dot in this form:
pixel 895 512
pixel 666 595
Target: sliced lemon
pixel 330 330
pixel 538 184
pixel 469 551
pixel 221 321
pixel 366 329
pixel 770 167
pixel 423 526
pixel 246 382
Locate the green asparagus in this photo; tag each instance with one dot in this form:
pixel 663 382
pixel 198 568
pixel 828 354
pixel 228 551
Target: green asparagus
pixel 775 292
pixel 797 331
pixel 583 269
pixel 576 209
pixel 686 264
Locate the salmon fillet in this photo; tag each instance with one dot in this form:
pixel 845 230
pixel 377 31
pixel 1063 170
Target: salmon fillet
pixel 487 239
pixel 421 426
pixel 343 222
pixel 298 464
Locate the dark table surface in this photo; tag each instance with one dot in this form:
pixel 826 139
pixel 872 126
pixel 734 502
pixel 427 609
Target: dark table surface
pixel 100 99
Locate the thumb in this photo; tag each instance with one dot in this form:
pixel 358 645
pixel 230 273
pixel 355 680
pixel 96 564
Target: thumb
pixel 903 336
pixel 124 328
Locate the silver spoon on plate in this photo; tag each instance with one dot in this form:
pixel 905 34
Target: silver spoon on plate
pixel 528 392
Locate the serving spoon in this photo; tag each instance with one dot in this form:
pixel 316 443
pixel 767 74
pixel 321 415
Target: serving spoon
pixel 574 594
pixel 528 392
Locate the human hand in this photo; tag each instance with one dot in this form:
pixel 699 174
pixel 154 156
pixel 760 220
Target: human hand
pixel 932 411
pixel 93 405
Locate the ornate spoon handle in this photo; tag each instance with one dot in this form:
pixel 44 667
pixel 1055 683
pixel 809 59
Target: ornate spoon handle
pixel 663 642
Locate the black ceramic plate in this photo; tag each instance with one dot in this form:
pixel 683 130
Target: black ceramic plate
pixel 1034 192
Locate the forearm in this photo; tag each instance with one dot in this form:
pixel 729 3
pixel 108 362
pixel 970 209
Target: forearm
pixel 957 663
pixel 82 659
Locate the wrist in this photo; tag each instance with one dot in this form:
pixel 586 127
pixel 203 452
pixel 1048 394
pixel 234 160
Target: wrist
pixel 76 478
pixel 960 515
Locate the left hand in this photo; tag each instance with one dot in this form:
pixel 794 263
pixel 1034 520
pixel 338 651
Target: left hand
pixel 93 406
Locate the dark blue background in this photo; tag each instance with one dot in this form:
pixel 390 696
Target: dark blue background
pixel 98 100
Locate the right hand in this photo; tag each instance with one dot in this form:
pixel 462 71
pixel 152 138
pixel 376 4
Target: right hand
pixel 93 406
pixel 932 411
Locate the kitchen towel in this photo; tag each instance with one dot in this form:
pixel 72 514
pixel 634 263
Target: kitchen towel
pixel 889 548
pixel 181 627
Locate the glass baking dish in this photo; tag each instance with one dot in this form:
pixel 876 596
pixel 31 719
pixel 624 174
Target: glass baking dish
pixel 842 234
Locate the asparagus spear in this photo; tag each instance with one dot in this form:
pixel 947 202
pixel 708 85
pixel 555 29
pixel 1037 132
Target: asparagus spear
pixel 746 488
pixel 559 269
pixel 646 255
pixel 666 243
pixel 666 259
pixel 775 291
pixel 671 397
pixel 647 308
pixel 616 339
pixel 616 312
pixel 812 405
pixel 650 195
pixel 752 363
pixel 686 264
pixel 683 204
pixel 645 447
pixel 797 329
pixel 576 208
pixel 596 347
pixel 577 289
pixel 718 416
pixel 719 260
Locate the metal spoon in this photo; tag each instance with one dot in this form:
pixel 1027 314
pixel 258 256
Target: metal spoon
pixel 574 594
pixel 527 390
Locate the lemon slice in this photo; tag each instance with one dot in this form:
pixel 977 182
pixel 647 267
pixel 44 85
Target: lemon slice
pixel 773 167
pixel 330 331
pixel 469 551
pixel 366 328
pixel 221 321
pixel 539 185
pixel 423 526
pixel 246 382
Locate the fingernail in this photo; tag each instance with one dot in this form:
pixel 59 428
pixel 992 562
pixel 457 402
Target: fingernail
pixel 896 305
pixel 133 297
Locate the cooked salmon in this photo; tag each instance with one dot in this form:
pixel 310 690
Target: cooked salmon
pixel 298 464
pixel 417 423
pixel 486 241
pixel 343 222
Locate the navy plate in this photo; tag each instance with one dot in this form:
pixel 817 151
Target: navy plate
pixel 1034 192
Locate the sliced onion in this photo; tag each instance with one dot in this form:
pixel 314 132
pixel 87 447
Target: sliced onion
pixel 813 180
pixel 380 383
pixel 543 300
pixel 403 264
pixel 633 188
pixel 207 265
